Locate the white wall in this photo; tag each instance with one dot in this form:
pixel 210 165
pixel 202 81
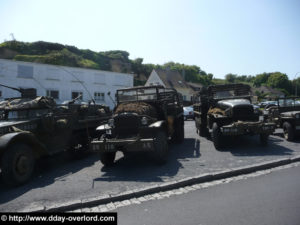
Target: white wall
pixel 61 78
pixel 154 79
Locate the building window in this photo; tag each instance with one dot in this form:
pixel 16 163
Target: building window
pixel 25 71
pixel 75 94
pixel 52 93
pixel 184 98
pixel 99 96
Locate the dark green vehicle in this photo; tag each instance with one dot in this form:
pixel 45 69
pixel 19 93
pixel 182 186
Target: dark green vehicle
pixel 286 115
pixel 226 110
pixel 143 121
pixel 31 127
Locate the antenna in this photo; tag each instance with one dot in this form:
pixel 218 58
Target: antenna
pixel 79 82
pixel 108 93
pixel 12 36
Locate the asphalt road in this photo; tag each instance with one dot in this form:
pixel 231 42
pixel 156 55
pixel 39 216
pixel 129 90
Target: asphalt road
pixel 271 199
pixel 60 179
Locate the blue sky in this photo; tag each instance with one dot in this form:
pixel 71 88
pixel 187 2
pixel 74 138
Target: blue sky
pixel 244 37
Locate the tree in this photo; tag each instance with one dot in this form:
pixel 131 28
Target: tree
pixel 231 78
pixel 278 80
pixel 260 79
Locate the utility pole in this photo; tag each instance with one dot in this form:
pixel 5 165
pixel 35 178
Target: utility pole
pixel 296 83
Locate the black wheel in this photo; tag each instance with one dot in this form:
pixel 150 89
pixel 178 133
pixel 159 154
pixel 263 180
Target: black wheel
pixel 78 147
pixel 17 164
pixel 288 131
pixel 108 158
pixel 160 147
pixel 203 131
pixel 178 136
pixel 217 136
pixel 264 139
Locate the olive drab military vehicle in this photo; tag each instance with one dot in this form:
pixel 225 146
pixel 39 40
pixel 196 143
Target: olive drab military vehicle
pixel 143 121
pixel 226 110
pixel 286 115
pixel 31 127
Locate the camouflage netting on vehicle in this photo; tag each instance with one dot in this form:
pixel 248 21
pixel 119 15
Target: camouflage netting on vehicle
pixel 216 111
pixel 37 103
pixel 140 108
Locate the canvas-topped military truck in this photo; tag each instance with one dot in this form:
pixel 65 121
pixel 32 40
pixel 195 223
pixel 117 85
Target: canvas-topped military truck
pixel 286 115
pixel 143 121
pixel 226 110
pixel 31 127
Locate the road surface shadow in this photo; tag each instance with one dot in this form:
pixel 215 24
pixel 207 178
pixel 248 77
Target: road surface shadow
pixel 143 168
pixel 47 171
pixel 296 140
pixel 250 146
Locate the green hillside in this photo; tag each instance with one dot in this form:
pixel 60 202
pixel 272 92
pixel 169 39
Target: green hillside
pixel 118 61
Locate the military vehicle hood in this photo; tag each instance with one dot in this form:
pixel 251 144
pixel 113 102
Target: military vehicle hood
pixel 231 103
pixel 290 114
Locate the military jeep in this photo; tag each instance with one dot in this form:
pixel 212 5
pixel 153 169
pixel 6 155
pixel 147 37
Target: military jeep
pixel 286 115
pixel 226 110
pixel 31 127
pixel 143 121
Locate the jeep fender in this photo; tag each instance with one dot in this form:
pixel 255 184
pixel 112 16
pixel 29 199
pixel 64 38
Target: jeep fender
pixel 22 137
pixel 159 125
pixel 103 127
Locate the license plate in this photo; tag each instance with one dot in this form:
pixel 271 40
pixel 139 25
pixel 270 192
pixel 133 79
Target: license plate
pixel 109 147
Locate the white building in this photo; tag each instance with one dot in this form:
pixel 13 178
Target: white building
pixel 61 82
pixel 171 79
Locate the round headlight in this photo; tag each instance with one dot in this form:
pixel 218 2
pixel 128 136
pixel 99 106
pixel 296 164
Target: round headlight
pixel 111 122
pixel 144 121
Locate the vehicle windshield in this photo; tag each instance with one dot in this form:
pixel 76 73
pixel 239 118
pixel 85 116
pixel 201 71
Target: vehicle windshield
pixel 137 94
pixel 22 114
pixel 224 94
pixel 288 102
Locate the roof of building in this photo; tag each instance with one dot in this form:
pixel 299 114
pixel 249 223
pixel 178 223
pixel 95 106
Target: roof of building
pixel 195 86
pixel 269 90
pixel 172 78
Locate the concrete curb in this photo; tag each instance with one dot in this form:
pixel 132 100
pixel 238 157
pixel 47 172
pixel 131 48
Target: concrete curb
pixel 166 186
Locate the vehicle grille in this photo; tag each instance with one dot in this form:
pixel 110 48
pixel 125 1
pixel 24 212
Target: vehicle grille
pixel 126 124
pixel 243 113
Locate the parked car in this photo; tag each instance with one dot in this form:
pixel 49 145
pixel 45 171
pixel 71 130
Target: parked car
pixel 188 112
pixel 34 126
pixel 143 121
pixel 226 110
pixel 286 115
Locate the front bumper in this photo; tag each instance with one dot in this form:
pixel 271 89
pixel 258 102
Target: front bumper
pixel 125 145
pixel 243 128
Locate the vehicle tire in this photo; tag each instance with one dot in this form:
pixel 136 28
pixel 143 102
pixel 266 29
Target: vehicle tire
pixel 217 136
pixel 288 131
pixel 78 147
pixel 160 147
pixel 264 139
pixel 17 164
pixel 108 158
pixel 203 131
pixel 179 132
